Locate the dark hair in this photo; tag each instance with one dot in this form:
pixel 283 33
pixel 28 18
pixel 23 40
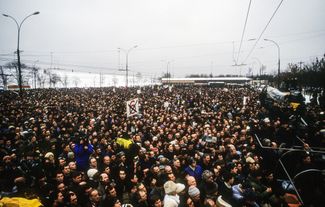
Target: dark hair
pixel 227 176
pixel 191 160
pixel 249 194
pixel 75 174
pixel 115 200
pixel 246 184
pixel 109 188
pixel 256 173
pixel 154 198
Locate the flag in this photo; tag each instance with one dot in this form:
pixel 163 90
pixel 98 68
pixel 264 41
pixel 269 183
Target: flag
pixel 132 107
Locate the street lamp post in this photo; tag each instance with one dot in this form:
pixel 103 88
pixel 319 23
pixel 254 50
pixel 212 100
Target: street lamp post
pixel 127 63
pixel 168 71
pixel 18 52
pixel 260 69
pixel 278 57
pixel 168 76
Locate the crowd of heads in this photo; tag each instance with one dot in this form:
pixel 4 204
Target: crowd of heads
pixel 189 146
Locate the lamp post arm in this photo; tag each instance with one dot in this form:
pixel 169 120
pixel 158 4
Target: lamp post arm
pixel 21 25
pixel 121 49
pixel 18 27
pixel 277 45
pixel 279 66
pixel 6 15
pixel 18 42
pixel 26 18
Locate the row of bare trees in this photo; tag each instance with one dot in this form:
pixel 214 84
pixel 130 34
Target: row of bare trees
pixel 308 75
pixel 31 75
pixel 298 75
pixel 37 77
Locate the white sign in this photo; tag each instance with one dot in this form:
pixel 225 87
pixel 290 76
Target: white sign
pixel 132 107
pixel 245 100
pixel 166 104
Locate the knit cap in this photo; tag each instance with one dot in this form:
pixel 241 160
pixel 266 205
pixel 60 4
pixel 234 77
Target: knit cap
pixel 193 191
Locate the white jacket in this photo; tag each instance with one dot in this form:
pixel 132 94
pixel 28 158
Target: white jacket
pixel 171 200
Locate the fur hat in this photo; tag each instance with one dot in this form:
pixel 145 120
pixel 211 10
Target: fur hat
pixel 171 187
pixel 91 173
pixel 250 160
pixel 48 155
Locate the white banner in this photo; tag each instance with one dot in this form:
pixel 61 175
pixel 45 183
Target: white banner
pixel 132 107
pixel 275 94
pixel 245 100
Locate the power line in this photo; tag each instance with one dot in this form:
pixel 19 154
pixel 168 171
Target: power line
pixel 34 53
pixel 242 36
pixel 251 51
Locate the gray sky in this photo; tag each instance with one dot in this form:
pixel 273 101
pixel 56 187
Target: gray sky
pixel 196 36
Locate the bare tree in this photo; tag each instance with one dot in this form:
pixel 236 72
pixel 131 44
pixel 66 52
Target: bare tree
pixel 65 81
pixel 34 73
pixel 4 77
pixel 41 78
pixel 48 73
pixel 54 79
pixel 76 81
pixel 13 70
pixel 139 77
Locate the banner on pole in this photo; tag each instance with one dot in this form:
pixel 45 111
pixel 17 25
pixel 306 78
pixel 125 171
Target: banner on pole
pixel 132 107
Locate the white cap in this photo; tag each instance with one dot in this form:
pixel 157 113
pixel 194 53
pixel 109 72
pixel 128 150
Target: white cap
pixel 171 187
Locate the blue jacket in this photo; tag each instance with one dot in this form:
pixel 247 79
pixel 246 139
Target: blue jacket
pixel 197 172
pixel 82 156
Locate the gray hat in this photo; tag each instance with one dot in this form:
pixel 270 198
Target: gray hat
pixel 70 154
pixel 193 191
pixel 206 174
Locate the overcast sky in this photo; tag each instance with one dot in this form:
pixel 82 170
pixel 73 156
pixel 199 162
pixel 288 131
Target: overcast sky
pixel 195 36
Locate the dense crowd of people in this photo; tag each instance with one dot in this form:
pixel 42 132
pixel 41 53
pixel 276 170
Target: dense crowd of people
pixel 189 146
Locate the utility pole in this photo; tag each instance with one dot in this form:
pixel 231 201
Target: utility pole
pixel 127 63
